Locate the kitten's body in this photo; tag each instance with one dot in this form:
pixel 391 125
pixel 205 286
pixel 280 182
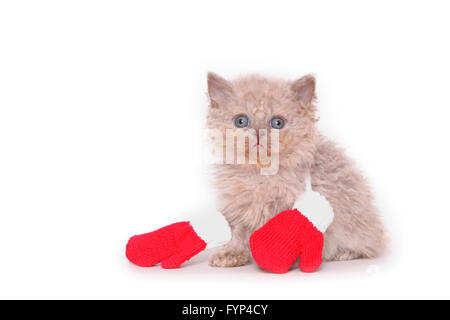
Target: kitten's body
pixel 248 199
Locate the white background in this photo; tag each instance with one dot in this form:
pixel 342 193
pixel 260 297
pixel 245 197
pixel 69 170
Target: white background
pixel 102 110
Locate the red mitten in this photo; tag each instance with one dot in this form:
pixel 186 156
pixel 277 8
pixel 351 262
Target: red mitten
pixel 276 245
pixel 171 245
pixel 289 234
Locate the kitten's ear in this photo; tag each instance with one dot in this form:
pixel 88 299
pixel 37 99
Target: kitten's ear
pixel 219 89
pixel 304 89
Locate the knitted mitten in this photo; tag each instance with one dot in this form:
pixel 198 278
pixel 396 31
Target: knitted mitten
pixel 290 234
pixel 171 245
pixel 276 245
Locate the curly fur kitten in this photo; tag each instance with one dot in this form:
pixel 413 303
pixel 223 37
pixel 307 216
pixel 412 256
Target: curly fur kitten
pixel 248 199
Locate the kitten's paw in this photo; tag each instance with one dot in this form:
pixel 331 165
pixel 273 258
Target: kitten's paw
pixel 346 255
pixel 229 257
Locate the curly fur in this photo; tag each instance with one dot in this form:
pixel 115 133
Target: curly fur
pixel 248 199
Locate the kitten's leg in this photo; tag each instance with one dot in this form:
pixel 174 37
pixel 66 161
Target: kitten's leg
pixel 236 252
pixel 357 231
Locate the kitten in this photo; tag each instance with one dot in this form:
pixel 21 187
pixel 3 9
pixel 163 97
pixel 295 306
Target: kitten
pixel 247 198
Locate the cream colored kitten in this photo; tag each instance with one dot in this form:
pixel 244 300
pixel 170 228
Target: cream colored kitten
pixel 247 199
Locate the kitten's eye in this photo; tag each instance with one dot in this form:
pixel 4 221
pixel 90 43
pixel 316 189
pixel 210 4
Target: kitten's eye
pixel 277 123
pixel 241 121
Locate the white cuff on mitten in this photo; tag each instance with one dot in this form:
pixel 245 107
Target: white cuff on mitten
pixel 315 207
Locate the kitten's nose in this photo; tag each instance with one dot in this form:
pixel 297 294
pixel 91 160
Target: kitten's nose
pixel 261 132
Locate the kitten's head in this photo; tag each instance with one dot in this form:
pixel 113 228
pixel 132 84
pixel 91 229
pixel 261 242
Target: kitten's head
pixel 252 103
